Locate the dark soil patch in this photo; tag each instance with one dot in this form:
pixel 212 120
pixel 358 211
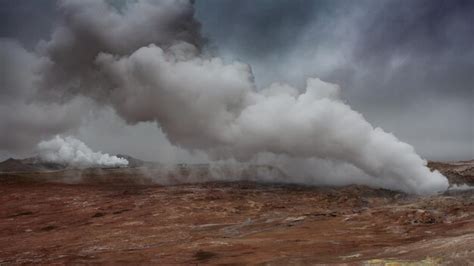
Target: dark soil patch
pixel 204 255
pixel 98 214
pixel 21 214
pixel 49 228
pixel 121 211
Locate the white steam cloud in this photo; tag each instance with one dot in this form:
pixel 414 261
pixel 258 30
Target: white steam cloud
pixel 144 59
pixel 208 105
pixel 75 153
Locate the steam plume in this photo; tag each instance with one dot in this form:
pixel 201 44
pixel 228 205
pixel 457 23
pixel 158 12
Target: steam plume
pixel 73 152
pixel 144 59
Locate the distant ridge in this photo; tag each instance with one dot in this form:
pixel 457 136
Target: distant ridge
pixel 14 165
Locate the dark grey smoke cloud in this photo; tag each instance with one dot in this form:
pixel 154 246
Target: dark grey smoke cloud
pixel 90 27
pixel 48 59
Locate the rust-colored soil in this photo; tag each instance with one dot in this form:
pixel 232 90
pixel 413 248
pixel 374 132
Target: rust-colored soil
pixel 230 223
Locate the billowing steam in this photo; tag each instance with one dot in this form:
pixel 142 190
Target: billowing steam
pixel 145 59
pixel 75 153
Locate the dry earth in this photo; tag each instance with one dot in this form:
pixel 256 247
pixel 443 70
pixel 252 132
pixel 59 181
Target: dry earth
pixel 117 221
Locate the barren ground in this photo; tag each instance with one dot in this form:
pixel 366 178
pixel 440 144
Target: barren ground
pixel 225 223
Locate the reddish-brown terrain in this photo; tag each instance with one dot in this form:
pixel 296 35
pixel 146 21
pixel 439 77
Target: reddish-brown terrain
pixel 108 217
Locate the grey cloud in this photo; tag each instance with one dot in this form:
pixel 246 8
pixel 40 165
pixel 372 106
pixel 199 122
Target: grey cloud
pixel 391 58
pixel 27 21
pixel 90 27
pixel 277 23
pixel 23 120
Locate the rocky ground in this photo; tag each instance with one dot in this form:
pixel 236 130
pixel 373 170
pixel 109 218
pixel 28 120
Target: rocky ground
pixel 235 222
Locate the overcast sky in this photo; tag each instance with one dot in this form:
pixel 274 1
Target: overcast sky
pixel 407 66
